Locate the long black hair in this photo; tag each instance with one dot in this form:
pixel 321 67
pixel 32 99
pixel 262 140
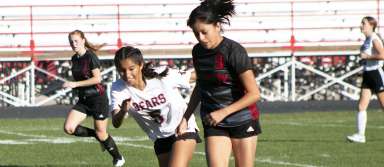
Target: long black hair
pixel 212 12
pixel 135 55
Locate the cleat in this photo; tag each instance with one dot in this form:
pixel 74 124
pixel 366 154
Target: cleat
pixel 118 162
pixel 356 138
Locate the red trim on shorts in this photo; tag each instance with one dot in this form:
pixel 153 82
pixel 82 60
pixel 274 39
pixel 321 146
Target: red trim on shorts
pixel 100 88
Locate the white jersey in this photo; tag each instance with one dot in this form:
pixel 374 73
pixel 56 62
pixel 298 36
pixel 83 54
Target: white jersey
pixel 368 48
pixel 159 108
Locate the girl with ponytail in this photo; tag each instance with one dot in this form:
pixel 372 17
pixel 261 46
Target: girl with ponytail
pixel 154 101
pixel 93 100
pixel 372 54
pixel 225 87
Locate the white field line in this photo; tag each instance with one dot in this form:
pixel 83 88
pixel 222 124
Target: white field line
pixel 322 125
pixel 269 161
pixel 22 134
pixel 119 140
pixel 7 142
pixel 43 138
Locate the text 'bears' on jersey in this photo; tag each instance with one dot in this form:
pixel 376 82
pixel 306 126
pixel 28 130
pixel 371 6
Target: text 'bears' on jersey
pixel 152 102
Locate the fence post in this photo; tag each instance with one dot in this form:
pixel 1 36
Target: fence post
pixel 119 42
pixel 32 89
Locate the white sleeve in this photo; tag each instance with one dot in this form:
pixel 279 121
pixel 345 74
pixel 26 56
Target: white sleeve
pixel 179 79
pixel 117 95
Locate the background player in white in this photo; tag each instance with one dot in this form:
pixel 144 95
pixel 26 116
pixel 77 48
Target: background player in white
pixel 372 54
pixel 153 100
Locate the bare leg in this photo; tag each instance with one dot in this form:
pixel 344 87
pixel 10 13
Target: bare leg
pixel 74 119
pixel 244 151
pixel 218 149
pixel 182 152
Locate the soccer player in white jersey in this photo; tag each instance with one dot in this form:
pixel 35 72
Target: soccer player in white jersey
pixel 155 103
pixel 372 54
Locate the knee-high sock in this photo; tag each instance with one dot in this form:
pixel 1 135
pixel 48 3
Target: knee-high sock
pixel 110 145
pixel 361 122
pixel 82 131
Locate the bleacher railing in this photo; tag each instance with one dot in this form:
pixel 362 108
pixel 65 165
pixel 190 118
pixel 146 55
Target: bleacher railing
pixel 289 42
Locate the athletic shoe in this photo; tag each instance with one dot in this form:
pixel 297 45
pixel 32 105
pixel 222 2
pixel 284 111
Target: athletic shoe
pixel 356 138
pixel 118 162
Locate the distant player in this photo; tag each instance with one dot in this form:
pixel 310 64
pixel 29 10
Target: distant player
pixel 93 99
pixel 372 54
pixel 225 86
pixel 155 103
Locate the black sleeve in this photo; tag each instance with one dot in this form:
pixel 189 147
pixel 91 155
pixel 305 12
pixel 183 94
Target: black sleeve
pixel 238 59
pixel 94 61
pixel 194 56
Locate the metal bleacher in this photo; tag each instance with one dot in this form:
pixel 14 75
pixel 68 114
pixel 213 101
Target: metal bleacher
pixel 302 50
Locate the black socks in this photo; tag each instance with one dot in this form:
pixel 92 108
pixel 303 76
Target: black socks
pixel 110 146
pixel 82 131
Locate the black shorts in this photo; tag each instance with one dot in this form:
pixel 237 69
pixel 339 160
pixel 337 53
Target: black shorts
pixel 164 145
pixel 96 106
pixel 373 80
pixel 252 128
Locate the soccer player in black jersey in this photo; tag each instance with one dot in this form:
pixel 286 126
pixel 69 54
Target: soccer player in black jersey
pixel 93 99
pixel 225 87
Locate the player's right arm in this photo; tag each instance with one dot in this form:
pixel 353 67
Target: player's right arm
pixel 193 102
pixel 118 115
pixel 120 103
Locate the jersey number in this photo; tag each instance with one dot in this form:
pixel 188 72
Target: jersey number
pixel 155 115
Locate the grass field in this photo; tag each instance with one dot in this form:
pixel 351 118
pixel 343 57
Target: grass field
pixel 310 139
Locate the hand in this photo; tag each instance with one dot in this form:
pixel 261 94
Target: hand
pixel 364 55
pixel 215 117
pixel 70 85
pixel 125 105
pixel 182 128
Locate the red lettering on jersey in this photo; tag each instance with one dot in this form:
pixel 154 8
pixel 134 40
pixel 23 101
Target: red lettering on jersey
pixel 162 98
pixel 148 103
pixel 155 101
pixel 142 105
pixel 136 106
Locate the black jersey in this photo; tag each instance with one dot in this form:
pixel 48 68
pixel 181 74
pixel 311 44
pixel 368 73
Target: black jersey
pixel 218 73
pixel 82 67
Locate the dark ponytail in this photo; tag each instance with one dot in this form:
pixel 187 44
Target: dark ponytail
pixel 149 71
pixel 135 55
pixel 212 12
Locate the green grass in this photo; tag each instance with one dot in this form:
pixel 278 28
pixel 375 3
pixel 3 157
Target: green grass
pixel 290 139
